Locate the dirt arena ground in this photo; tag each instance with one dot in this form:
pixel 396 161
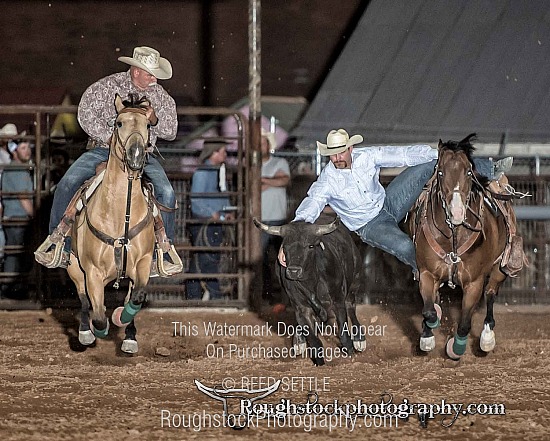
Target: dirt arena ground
pixel 53 389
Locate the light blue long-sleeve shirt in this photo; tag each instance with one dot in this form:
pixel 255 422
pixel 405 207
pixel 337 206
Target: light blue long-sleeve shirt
pixel 356 194
pixel 205 180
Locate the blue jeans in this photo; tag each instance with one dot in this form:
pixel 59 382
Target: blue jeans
pixel 205 262
pixel 383 231
pixel 17 262
pixel 270 243
pixel 84 168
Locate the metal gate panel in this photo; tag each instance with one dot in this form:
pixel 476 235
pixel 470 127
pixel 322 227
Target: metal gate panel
pixel 53 286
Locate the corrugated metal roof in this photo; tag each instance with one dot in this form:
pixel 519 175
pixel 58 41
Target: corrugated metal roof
pixel 420 70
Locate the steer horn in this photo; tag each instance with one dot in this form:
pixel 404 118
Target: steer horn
pixel 269 229
pixel 328 228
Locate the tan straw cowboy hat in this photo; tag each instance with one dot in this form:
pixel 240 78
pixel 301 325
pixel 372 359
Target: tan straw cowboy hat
pixel 149 60
pixel 10 130
pixel 337 142
pixel 209 147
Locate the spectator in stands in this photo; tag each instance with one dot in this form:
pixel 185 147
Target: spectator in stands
pixel 275 179
pixel 209 180
pixel 60 165
pixel 7 134
pixel 17 208
pixel 230 130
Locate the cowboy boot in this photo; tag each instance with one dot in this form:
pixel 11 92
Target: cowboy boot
pixel 58 257
pixel 499 186
pixel 161 266
pixel 502 166
pixel 55 257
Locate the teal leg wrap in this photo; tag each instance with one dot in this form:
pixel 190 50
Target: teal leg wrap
pixel 459 345
pixel 129 312
pixel 102 333
pixel 434 324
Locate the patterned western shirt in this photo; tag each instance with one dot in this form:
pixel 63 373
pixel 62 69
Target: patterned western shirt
pixel 356 194
pixel 97 113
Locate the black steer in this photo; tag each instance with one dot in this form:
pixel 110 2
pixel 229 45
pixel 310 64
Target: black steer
pixel 322 274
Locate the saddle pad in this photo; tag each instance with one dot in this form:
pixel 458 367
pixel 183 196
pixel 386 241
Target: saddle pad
pixel 90 190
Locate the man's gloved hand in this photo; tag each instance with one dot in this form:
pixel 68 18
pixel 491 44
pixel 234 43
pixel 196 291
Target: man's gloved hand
pixel 151 116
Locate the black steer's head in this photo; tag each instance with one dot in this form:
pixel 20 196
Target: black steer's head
pixel 301 240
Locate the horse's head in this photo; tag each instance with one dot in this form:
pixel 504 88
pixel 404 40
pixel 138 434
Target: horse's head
pixel 131 132
pixel 455 174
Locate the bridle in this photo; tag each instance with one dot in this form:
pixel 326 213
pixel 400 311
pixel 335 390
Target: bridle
pixel 452 258
pixel 458 195
pixel 121 244
pixel 116 139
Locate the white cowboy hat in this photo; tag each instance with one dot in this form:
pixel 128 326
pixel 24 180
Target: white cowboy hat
pixel 11 131
pixel 149 60
pixel 337 142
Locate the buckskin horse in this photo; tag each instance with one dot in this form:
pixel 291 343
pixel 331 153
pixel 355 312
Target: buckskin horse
pixel 113 235
pixel 461 235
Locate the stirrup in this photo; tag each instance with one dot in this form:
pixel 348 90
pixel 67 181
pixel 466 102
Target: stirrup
pixel 167 269
pixel 500 190
pixel 516 259
pixel 50 259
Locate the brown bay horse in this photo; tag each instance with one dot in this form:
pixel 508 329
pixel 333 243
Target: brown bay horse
pixel 113 235
pixel 460 239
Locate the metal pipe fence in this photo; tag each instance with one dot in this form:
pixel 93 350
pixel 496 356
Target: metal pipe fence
pixel 180 159
pixel 385 278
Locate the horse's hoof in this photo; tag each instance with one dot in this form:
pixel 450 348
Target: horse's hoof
pixel 449 349
pixel 487 340
pixel 359 345
pixel 427 344
pixel 115 317
pixel 129 346
pixel 318 361
pixel 300 348
pixel 86 338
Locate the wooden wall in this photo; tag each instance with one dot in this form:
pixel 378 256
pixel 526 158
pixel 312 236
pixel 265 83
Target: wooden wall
pixel 60 44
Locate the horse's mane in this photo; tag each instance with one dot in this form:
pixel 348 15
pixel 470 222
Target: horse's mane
pixel 465 145
pixel 135 102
